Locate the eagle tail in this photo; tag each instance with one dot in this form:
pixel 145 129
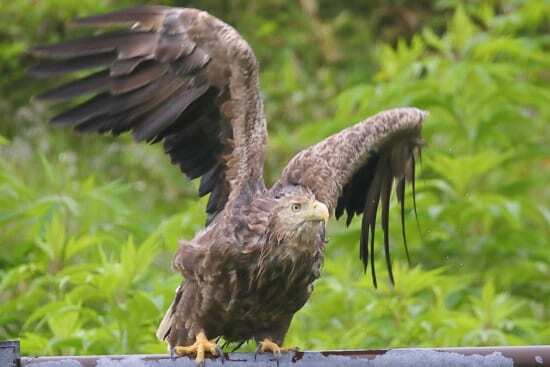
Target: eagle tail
pixel 166 324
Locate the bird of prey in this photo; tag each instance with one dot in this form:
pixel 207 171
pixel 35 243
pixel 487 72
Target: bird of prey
pixel 183 78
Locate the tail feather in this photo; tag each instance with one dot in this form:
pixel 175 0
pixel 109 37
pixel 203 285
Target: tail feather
pixel 166 324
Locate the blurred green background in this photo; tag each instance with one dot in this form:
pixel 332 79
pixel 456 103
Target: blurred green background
pixel 88 224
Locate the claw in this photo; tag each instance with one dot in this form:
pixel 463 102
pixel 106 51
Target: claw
pixel 267 345
pixel 201 346
pixel 220 352
pixel 258 348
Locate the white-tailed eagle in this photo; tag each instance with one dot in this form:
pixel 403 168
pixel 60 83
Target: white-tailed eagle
pixel 183 78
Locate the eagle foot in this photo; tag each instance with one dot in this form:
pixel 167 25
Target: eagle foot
pixel 201 346
pixel 267 345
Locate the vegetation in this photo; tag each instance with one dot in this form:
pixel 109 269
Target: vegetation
pixel 88 225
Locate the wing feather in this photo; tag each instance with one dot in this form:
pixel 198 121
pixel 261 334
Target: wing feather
pixel 148 73
pixel 385 194
pixel 170 74
pixel 368 223
pixel 48 68
pixel 93 107
pixel 163 116
pixel 145 16
pixel 127 44
pixel 94 83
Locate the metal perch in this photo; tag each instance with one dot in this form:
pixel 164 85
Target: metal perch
pixel 521 356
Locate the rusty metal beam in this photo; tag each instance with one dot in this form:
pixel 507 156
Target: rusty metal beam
pixel 528 356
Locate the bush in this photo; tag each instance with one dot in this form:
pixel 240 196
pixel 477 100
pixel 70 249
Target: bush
pixel 89 224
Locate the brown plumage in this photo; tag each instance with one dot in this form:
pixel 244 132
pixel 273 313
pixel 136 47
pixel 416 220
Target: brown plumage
pixel 186 79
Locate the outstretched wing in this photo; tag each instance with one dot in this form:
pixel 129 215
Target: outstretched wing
pixel 176 75
pixel 354 171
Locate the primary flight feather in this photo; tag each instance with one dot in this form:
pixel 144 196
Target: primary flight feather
pixel 184 78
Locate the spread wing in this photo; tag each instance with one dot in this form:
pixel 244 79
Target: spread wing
pixel 172 75
pixel 354 171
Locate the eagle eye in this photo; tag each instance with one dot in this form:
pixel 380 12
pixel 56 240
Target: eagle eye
pixel 296 207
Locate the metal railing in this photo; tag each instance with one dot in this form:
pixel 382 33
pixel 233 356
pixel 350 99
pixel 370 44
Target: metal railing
pixel 524 356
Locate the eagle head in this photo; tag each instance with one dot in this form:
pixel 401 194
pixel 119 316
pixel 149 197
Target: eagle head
pixel 297 214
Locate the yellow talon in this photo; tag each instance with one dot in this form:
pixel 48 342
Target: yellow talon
pixel 201 346
pixel 267 345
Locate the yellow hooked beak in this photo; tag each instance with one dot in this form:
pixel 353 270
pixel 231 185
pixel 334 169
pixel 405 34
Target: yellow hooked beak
pixel 318 211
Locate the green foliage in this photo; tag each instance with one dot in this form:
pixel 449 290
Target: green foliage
pixel 88 225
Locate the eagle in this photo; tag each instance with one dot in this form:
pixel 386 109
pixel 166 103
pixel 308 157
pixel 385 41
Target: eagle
pixel 183 78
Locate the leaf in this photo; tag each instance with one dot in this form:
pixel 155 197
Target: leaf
pixel 461 30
